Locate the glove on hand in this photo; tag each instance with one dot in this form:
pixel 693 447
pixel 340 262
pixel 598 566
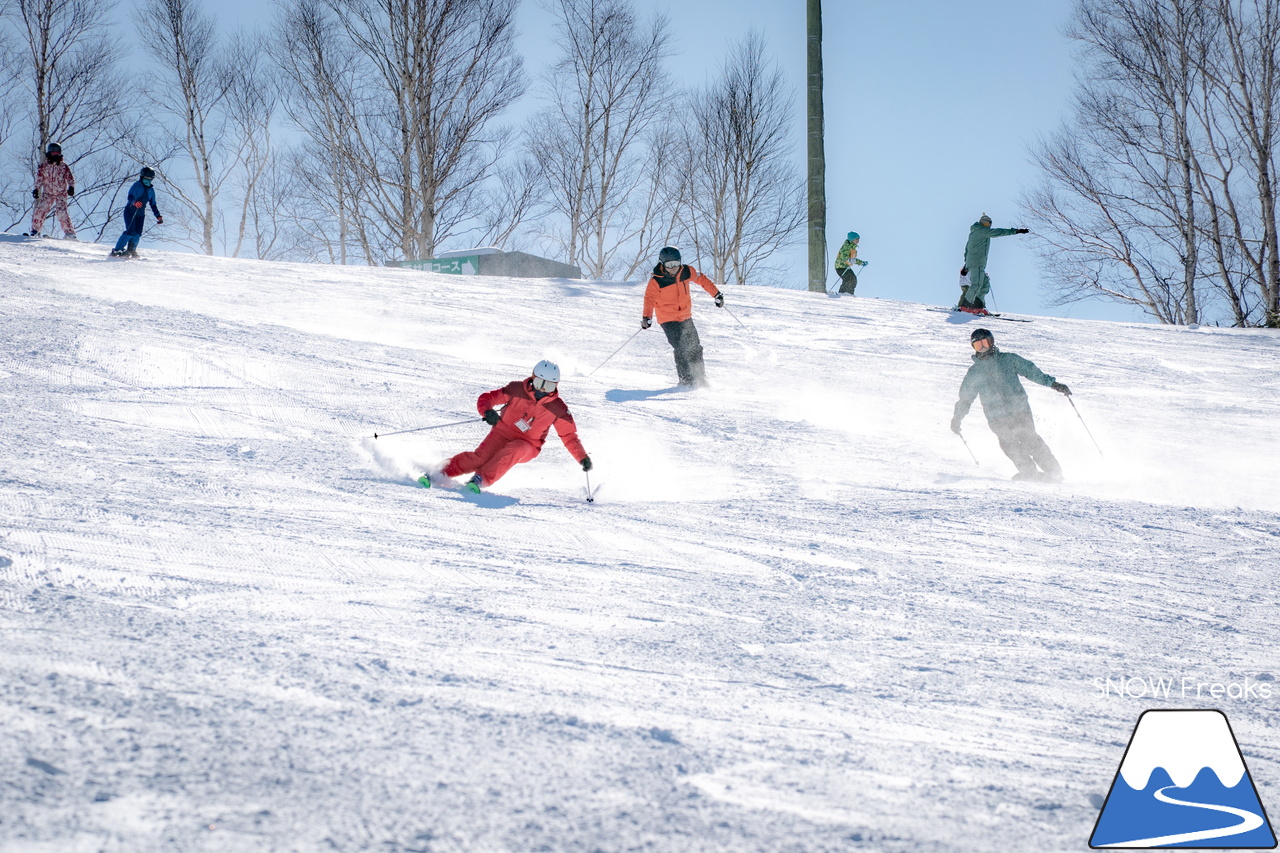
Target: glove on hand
pixel 719 299
pixel 955 425
pixel 1022 231
pixel 35 193
pixel 491 417
pixel 137 204
pixel 863 263
pixel 586 463
pixel 71 190
pixel 159 219
pixel 1061 389
pixel 964 270
pixel 645 322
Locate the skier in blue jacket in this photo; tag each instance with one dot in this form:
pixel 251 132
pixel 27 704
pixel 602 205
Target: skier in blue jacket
pixel 135 214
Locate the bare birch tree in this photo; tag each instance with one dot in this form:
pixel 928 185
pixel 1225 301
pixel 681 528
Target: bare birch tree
pixel 1119 211
pixel 403 95
pixel 1162 192
pixel 251 105
pixel 1242 133
pixel 10 213
pixel 71 93
pixel 323 72
pixel 194 82
pixel 605 93
pixel 745 196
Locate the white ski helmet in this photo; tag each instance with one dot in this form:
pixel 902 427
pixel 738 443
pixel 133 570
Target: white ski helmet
pixel 546 375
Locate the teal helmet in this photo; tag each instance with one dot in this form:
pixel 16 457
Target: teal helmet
pixel 853 235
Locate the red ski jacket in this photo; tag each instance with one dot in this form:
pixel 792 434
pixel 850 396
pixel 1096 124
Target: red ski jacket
pixel 528 418
pixel 669 295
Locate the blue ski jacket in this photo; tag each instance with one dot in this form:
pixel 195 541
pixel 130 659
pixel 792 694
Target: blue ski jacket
pixel 134 210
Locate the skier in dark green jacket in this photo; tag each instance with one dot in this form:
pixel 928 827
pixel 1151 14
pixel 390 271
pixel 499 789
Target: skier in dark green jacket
pixel 994 378
pixel 976 250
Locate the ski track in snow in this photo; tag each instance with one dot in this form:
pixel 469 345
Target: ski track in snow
pixel 796 618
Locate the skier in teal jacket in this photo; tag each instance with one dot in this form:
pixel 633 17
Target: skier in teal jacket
pixel 976 250
pixel 994 377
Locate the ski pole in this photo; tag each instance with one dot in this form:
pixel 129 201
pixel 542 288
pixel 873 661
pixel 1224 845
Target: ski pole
pixel 1085 425
pixel 420 429
pixel 615 352
pixel 968 448
pixel 734 316
pixel 590 497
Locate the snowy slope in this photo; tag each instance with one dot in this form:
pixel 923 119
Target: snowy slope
pixel 796 618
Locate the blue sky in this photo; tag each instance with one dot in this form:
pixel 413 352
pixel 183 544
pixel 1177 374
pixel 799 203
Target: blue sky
pixel 931 108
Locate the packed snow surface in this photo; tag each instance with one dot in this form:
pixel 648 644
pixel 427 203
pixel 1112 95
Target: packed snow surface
pixel 797 616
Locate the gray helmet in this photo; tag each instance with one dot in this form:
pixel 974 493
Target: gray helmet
pixel 668 253
pixel 982 334
pixel 54 148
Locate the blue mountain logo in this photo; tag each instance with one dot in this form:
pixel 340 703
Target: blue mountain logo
pixel 1183 783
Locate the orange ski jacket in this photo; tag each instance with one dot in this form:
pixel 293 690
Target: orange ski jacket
pixel 530 419
pixel 669 295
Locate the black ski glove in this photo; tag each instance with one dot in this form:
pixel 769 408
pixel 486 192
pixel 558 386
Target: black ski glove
pixel 491 417
pixel 1022 231
pixel 586 463
pixel 159 219
pixel 71 190
pixel 955 425
pixel 35 193
pixel 645 322
pixel 1061 389
pixel 719 299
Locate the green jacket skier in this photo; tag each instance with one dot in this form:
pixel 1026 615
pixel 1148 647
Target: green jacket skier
pixel 995 377
pixel 976 250
pixel 847 258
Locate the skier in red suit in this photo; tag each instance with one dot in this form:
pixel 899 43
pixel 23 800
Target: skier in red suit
pixel 529 408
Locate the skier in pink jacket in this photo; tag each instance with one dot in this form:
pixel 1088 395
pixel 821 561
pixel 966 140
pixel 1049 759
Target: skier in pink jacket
pixel 54 185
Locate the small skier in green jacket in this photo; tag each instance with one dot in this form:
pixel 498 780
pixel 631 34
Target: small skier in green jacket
pixel 974 294
pixel 846 259
pixel 994 378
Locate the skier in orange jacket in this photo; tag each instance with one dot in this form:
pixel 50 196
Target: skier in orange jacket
pixel 667 296
pixel 530 408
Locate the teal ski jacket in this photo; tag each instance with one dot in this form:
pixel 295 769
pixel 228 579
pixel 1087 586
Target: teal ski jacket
pixel 978 248
pixel 994 378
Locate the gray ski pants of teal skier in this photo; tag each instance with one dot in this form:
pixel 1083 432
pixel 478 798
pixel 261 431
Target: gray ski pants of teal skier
pixel 975 295
pixel 1021 443
pixel 683 337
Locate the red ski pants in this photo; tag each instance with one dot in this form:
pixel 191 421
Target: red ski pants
pixel 495 456
pixel 58 204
